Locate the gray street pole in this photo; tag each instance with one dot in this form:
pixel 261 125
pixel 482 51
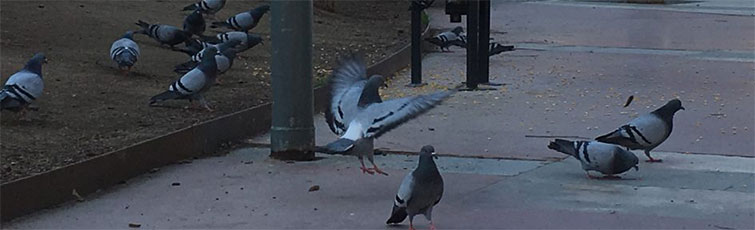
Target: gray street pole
pixel 292 135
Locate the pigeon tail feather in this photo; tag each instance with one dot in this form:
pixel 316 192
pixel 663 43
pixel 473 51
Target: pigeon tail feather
pixel 563 146
pixel 167 95
pixel 398 214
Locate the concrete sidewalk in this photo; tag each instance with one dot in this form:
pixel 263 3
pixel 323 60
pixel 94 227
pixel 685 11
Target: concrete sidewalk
pixel 577 63
pixel 245 189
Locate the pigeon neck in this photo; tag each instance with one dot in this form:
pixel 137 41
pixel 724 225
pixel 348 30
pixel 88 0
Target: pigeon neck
pixel 34 65
pixel 370 93
pixel 426 166
pixel 666 113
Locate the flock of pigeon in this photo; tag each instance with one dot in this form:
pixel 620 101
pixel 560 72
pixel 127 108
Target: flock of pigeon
pixel 209 56
pixel 356 113
pixel 457 37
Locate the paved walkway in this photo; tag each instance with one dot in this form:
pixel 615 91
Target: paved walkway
pixel 577 63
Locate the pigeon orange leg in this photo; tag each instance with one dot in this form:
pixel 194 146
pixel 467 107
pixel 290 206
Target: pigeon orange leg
pixel 374 167
pixel 365 169
pixel 650 159
pixel 432 226
pixel 411 225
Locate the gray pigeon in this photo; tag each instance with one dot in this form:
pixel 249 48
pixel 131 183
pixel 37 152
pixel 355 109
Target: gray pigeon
pixel 419 192
pixel 223 58
pixel 194 23
pixel 247 40
pixel 164 34
pixel 608 159
pixel 24 86
pixel 448 38
pixel 647 131
pixel 244 21
pixel 359 115
pixel 206 6
pixel 125 51
pixel 192 84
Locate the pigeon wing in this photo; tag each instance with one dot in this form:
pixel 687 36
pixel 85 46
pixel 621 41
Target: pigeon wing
pixel 379 118
pixel 346 84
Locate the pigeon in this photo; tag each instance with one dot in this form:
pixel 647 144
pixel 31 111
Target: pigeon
pixel 359 115
pixel 192 84
pixel 496 48
pixel 124 51
pixel 24 86
pixel 419 191
pixel 194 23
pixel 247 40
pixel 223 58
pixel 647 131
pixel 206 6
pixel 244 21
pixel 164 34
pixel 448 38
pixel 608 159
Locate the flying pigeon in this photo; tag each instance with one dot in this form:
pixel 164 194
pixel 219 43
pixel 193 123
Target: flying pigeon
pixel 192 84
pixel 223 58
pixel 419 191
pixel 164 34
pixel 24 86
pixel 247 40
pixel 647 131
pixel 244 21
pixel 448 38
pixel 206 6
pixel 124 51
pixel 194 23
pixel 606 158
pixel 359 115
pixel 496 48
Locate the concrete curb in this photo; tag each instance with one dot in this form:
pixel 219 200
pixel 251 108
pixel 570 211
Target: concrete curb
pixel 28 194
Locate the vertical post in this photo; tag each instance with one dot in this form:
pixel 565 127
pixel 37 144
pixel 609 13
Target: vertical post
pixel 484 42
pixel 292 135
pixel 416 44
pixel 473 23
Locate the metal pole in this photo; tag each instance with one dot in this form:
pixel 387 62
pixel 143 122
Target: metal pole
pixel 292 135
pixel 484 45
pixel 416 44
pixel 473 23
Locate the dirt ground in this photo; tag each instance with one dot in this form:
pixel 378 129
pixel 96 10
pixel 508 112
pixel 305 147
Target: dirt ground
pixel 88 108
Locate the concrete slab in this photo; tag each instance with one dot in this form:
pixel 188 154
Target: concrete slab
pixel 245 189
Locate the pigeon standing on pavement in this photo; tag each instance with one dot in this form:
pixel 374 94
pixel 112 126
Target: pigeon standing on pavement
pixel 647 131
pixel 247 40
pixel 606 158
pixel 24 86
pixel 359 115
pixel 206 6
pixel 192 84
pixel 244 21
pixel 164 34
pixel 223 58
pixel 448 38
pixel 419 191
pixel 124 51
pixel 194 23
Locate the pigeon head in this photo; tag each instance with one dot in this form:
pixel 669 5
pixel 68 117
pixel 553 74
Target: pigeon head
pixel 428 150
pixel 252 40
pixel 129 34
pixel 458 30
pixel 34 64
pixel 667 111
pixel 625 160
pixel 259 11
pixel 370 92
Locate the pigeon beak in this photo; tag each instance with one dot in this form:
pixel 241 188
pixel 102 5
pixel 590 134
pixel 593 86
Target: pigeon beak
pixel 45 61
pixel 682 108
pixel 636 168
pixel 434 155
